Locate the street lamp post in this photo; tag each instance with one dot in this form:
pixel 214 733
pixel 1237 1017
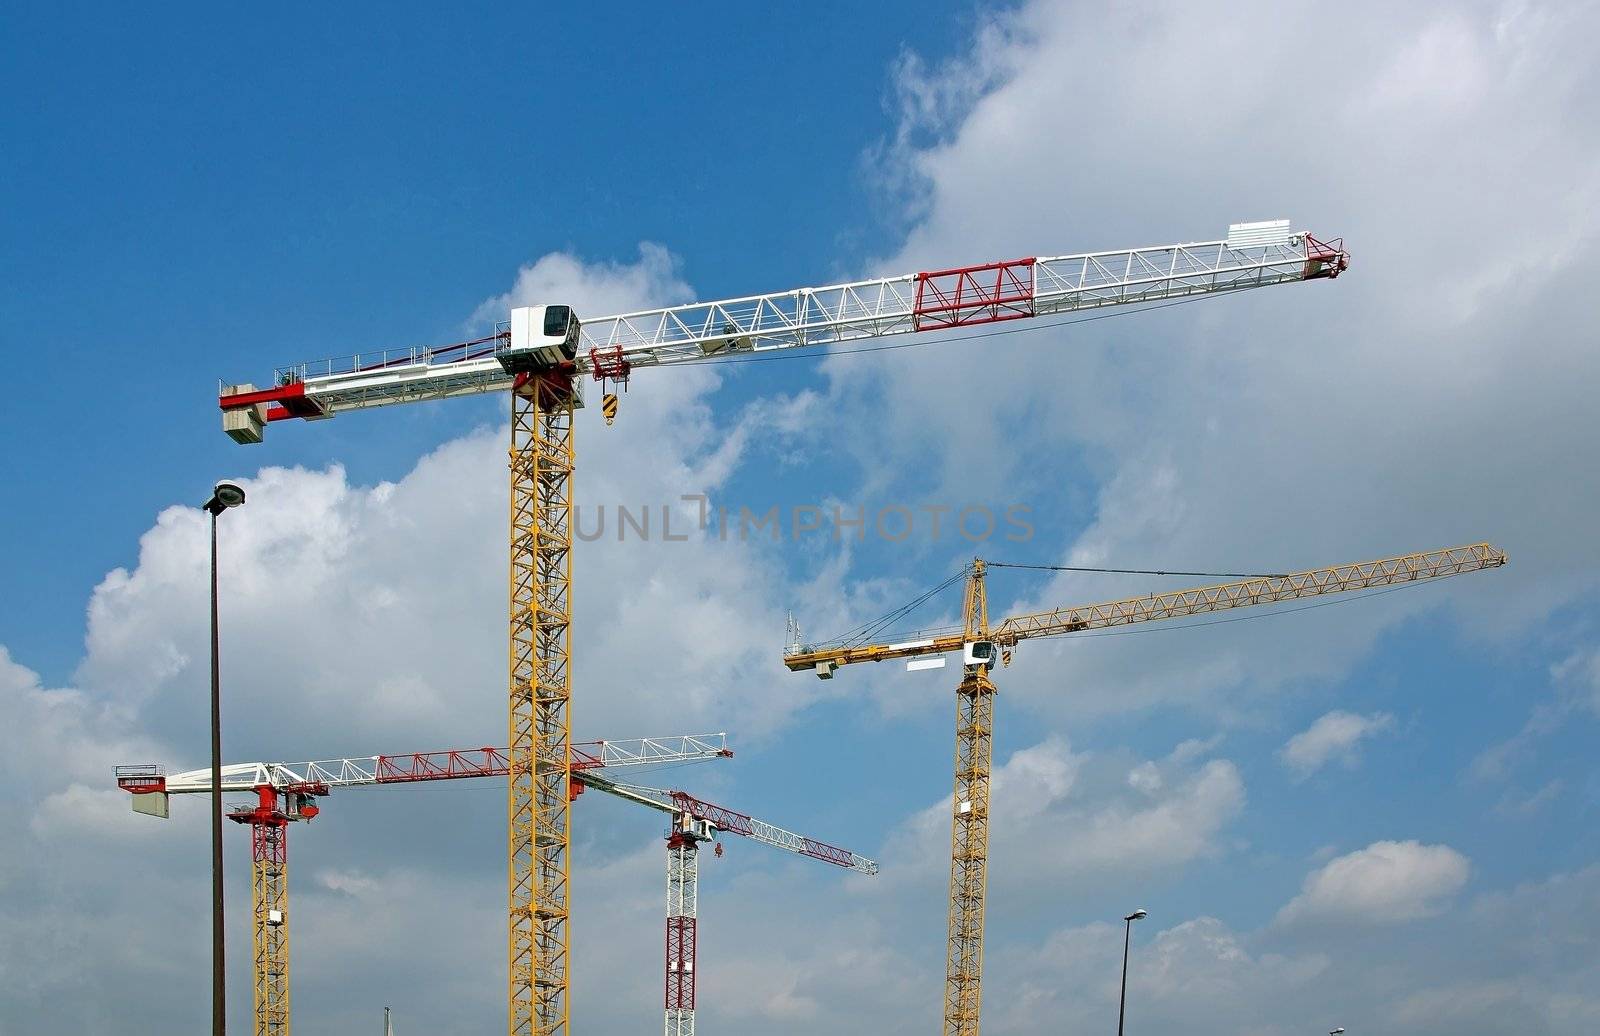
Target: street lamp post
pixel 1127 933
pixel 223 496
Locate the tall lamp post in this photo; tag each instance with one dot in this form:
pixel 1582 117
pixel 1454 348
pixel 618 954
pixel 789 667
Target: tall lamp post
pixel 1127 933
pixel 223 496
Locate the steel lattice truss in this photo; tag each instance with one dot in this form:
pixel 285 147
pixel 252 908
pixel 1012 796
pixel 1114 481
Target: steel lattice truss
pixel 269 881
pixel 830 315
pixel 975 704
pixel 969 829
pixel 693 821
pixel 449 764
pixel 724 819
pixel 683 867
pixel 540 721
pixel 1396 571
pixel 969 854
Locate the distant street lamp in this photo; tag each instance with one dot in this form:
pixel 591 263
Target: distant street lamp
pixel 1336 1032
pixel 223 496
pixel 1127 932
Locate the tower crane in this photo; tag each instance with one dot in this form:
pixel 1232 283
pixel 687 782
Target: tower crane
pixel 541 356
pixel 288 792
pixel 695 821
pixel 980 644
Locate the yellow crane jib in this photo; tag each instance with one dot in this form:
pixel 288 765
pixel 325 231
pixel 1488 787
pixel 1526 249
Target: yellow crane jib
pixel 1173 604
pixel 981 644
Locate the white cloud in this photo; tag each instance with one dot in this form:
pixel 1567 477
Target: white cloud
pixel 1335 735
pixel 1384 883
pixel 360 619
pixel 593 289
pixel 377 611
pixel 1298 426
pixel 1063 818
pixel 1145 777
pixel 1197 975
pixel 1520 960
pixel 1575 682
pixel 1527 805
pixel 1578 677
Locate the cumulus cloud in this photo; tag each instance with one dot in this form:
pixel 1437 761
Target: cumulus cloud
pixel 360 619
pixel 1334 735
pixel 593 288
pixel 1265 431
pixel 1520 960
pixel 1196 974
pixel 1059 818
pixel 377 611
pixel 1384 883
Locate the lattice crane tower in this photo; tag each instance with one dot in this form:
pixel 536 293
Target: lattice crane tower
pixel 980 644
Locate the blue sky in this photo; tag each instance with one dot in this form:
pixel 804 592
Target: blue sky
pixel 1333 816
pixel 214 193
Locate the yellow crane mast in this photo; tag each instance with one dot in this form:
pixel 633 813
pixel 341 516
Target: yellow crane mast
pixel 539 824
pixel 980 644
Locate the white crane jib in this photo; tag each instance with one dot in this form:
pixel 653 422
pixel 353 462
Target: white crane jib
pixel 1253 255
pixel 287 792
pixel 720 818
pixel 318 777
pixel 694 821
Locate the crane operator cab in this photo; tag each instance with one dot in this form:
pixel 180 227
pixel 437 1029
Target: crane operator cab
pixel 542 338
pixel 979 653
pixel 693 828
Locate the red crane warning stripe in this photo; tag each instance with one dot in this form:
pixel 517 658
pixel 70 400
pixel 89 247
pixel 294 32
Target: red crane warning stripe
pixel 974 295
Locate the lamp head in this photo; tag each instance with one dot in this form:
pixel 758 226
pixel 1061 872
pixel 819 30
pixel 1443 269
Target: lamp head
pixel 225 494
pixel 1137 915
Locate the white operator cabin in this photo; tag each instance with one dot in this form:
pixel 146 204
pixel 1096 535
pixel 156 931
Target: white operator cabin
pixel 542 337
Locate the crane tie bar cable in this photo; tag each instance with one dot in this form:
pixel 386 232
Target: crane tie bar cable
pixel 861 634
pixel 1140 571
